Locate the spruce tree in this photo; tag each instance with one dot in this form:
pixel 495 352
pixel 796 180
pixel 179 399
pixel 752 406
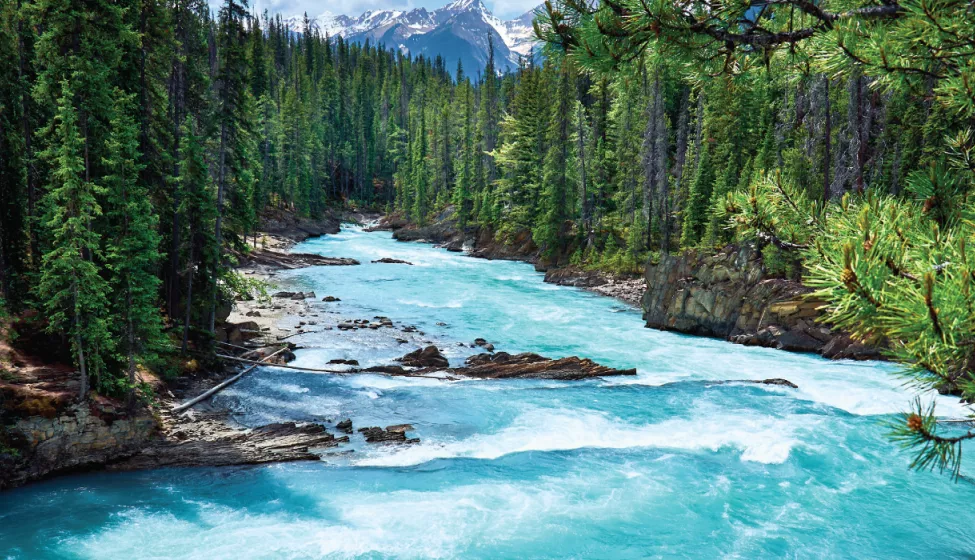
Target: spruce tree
pixel 131 246
pixel 71 287
pixel 557 194
pixel 198 211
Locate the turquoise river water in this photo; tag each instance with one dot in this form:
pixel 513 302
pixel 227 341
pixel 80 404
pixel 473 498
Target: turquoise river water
pixel 663 464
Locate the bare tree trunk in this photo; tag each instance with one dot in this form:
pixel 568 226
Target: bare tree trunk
pixel 827 138
pixel 189 299
pixel 28 141
pixel 586 210
pixel 861 141
pixel 218 234
pixel 130 335
pixel 83 390
pixel 80 343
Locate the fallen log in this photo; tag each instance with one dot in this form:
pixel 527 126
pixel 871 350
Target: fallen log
pixel 221 386
pixel 285 366
pixel 374 369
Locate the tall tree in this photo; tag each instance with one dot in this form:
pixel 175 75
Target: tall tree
pixel 71 284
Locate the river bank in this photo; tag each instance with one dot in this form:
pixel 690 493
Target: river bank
pixel 44 431
pixel 727 293
pixel 482 243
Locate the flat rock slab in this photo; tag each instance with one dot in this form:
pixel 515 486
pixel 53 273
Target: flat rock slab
pixel 210 443
pixel 502 365
pixel 532 366
pixel 392 434
pixel 278 260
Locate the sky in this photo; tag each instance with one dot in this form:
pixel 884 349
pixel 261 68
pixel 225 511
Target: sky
pixel 504 9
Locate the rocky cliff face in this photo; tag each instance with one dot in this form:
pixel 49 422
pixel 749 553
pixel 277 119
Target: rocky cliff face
pixel 730 295
pixel 52 435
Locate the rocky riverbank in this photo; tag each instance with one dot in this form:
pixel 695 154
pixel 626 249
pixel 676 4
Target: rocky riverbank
pixel 727 294
pixel 45 431
pixel 731 295
pixel 482 243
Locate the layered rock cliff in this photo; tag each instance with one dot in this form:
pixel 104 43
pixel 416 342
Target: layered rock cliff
pixel 731 295
pixel 47 433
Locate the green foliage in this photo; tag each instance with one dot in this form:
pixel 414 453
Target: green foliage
pixel 891 270
pixel 70 287
pixel 236 286
pixel 132 246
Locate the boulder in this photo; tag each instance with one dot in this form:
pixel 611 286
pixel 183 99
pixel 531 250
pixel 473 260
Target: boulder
pixel 375 434
pixel 389 370
pixel 329 299
pixel 344 362
pixel 345 426
pixel 778 381
pixel 400 428
pixel 388 260
pixel 429 357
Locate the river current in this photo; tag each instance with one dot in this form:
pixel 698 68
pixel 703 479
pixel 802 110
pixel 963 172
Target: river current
pixel 663 464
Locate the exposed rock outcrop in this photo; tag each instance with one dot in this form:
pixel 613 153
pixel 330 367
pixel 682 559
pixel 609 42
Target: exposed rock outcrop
pixel 388 260
pixel 288 225
pixel 214 444
pixel 730 295
pixel 52 438
pixel 627 289
pixel 392 434
pixel 277 260
pixel 478 241
pixel 429 357
pixel 532 366
pixel 481 242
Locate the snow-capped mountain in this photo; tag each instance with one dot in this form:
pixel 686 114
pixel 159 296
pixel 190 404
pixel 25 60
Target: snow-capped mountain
pixel 458 31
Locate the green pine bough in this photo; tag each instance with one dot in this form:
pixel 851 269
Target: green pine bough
pixel 893 271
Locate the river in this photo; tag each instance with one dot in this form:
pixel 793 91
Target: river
pixel 662 464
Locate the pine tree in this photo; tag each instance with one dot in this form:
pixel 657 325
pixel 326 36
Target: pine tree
pixel 198 209
pixel 557 193
pixel 465 163
pixel 71 287
pixel 696 214
pixel 131 246
pixel 231 88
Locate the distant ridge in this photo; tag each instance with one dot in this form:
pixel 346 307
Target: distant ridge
pixel 458 30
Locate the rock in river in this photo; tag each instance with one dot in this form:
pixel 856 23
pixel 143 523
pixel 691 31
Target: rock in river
pixel 429 357
pixel 388 260
pixel 397 434
pixel 532 366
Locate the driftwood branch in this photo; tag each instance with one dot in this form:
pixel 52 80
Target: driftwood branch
pixel 285 366
pixel 319 370
pixel 221 386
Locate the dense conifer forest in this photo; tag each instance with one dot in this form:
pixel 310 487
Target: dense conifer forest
pixel 141 141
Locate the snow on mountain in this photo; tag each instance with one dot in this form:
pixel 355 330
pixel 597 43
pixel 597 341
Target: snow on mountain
pixel 458 30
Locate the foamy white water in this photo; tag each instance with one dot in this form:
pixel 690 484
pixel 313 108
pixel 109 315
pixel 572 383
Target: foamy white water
pixel 667 463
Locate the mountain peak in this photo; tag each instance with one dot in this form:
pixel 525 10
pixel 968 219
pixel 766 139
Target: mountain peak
pixel 458 30
pixel 460 5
